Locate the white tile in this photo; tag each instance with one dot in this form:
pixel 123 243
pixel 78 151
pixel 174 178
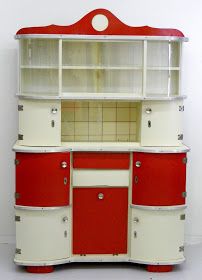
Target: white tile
pixel 123 114
pixel 109 128
pixel 67 115
pixel 81 128
pixel 95 128
pixel 109 114
pixel 95 114
pixel 123 128
pixel 81 114
pixel 67 128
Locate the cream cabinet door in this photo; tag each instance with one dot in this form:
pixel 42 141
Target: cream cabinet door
pixel 42 235
pixel 39 122
pixel 157 236
pixel 161 123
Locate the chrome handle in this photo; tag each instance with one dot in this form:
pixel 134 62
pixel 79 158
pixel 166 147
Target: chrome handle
pixel 65 219
pixel 138 163
pixel 136 220
pixel 63 164
pixel 100 196
pixel 54 111
pixel 148 110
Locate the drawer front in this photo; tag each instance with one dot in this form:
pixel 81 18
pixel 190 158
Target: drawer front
pixel 100 219
pixel 87 177
pixel 42 179
pixel 101 160
pixel 159 179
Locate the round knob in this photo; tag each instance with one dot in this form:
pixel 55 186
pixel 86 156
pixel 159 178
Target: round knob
pixel 138 163
pixel 136 220
pixel 148 110
pixel 100 196
pixel 63 164
pixel 65 219
pixel 54 110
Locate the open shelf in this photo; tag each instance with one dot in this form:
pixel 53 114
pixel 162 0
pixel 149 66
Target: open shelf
pixel 91 121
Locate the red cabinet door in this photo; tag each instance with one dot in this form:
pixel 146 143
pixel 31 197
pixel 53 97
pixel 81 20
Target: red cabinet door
pixel 159 179
pixel 100 220
pixel 40 179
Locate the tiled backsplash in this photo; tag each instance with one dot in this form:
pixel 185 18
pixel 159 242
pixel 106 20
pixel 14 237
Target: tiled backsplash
pixel 99 121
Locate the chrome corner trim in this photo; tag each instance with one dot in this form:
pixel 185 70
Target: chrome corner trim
pixel 159 208
pixel 169 262
pixel 102 37
pixel 32 208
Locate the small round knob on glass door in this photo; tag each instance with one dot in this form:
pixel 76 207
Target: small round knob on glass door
pixel 100 196
pixel 63 164
pixel 54 110
pixel 138 163
pixel 148 110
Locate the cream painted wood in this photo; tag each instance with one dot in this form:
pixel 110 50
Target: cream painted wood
pixel 156 236
pixel 36 123
pixel 162 125
pixel 93 177
pixel 43 235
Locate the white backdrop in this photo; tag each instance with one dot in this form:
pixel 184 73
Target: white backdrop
pixel 181 14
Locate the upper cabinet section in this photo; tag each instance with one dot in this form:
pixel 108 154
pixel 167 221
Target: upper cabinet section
pixel 100 57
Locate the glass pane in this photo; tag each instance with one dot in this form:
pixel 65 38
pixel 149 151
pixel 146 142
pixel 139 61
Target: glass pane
pixel 39 52
pixel 44 81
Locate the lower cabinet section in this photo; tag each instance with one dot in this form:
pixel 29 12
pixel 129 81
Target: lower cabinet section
pixel 100 220
pixel 42 235
pixel 157 236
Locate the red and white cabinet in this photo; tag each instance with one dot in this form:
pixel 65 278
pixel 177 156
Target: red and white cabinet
pixel 100 159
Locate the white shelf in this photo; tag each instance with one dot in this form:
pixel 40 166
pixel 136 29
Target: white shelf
pixel 94 67
pixel 163 68
pixel 39 67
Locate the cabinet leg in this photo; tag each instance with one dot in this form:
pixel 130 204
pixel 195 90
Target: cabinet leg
pixel 159 268
pixel 40 269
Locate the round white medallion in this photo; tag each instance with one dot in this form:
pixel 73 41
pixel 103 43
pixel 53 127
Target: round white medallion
pixel 100 22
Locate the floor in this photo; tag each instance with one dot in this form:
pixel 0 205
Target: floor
pixel 191 269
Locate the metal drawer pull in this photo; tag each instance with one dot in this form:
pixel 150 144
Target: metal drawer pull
pixel 53 123
pixel 65 180
pixel 148 110
pixel 54 110
pixel 135 234
pixel 136 179
pixel 138 163
pixel 65 219
pixel 149 123
pixel 63 164
pixel 100 196
pixel 136 220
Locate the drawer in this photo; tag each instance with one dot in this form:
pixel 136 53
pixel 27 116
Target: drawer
pixel 101 160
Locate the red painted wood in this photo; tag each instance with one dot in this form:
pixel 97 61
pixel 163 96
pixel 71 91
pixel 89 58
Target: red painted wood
pixel 40 179
pixel 161 179
pixel 100 226
pixel 115 27
pixel 159 268
pixel 101 160
pixel 40 269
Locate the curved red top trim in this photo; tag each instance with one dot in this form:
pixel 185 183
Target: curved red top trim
pixel 115 27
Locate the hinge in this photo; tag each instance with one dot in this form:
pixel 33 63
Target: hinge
pixel 184 194
pixel 17 195
pixel 181 108
pixel 184 160
pixel 17 218
pixel 180 136
pixel 20 107
pixel 182 217
pixel 181 249
pixel 16 161
pixel 18 251
pixel 20 136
